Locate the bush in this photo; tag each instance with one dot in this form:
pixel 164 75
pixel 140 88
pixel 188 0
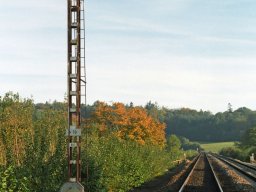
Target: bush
pixel 124 164
pixel 190 153
pixel 233 152
pixel 188 145
pixel 9 182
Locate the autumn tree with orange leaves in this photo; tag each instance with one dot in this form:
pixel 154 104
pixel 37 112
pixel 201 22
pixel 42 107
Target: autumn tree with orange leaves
pixel 128 123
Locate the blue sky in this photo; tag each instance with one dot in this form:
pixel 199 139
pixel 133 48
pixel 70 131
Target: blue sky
pixel 178 53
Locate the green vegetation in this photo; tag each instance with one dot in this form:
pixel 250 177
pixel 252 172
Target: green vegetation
pixel 126 146
pixel 216 131
pixel 189 145
pixel 203 125
pixel 216 147
pixel 120 166
pixel 245 148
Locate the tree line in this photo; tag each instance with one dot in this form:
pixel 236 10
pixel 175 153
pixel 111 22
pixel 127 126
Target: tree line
pixel 200 125
pixel 204 125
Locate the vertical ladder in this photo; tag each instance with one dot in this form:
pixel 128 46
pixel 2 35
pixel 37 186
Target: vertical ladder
pixel 82 56
pixel 76 86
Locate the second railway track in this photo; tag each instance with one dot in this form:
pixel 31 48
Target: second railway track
pixel 242 167
pixel 231 178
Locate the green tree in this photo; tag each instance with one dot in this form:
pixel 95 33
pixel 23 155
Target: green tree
pixel 249 138
pixel 173 144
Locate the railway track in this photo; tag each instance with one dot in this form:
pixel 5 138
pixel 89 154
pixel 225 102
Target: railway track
pixel 249 165
pixel 231 176
pixel 201 178
pixel 242 167
pixel 208 173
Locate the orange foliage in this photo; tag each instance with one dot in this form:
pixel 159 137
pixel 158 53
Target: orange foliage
pixel 132 123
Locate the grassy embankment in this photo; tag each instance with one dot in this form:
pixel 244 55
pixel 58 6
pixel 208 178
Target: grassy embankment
pixel 216 147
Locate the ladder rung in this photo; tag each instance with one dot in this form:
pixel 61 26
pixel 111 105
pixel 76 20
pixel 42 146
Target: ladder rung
pixel 72 76
pixel 74 8
pixel 74 25
pixel 73 41
pixel 73 59
pixel 73 93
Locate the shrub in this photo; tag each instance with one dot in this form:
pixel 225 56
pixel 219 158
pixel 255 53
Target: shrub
pixel 233 152
pixel 9 182
pixel 124 164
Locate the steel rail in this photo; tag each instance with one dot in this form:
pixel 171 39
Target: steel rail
pixel 215 176
pixel 236 167
pixel 192 171
pixel 189 175
pixel 166 186
pixel 241 163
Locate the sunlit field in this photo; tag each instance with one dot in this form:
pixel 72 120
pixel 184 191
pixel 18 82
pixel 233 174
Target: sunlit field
pixel 216 147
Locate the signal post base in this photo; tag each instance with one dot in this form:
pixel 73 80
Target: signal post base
pixel 72 187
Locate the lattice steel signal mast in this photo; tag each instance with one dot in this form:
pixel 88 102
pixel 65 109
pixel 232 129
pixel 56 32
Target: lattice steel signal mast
pixel 76 91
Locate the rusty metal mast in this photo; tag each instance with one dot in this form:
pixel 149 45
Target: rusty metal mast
pixel 76 91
